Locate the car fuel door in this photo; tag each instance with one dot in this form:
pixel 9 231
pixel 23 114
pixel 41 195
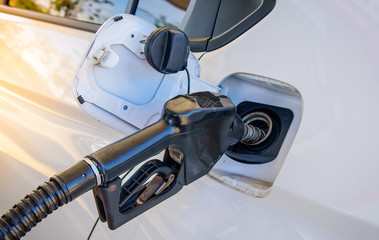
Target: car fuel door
pixel 116 85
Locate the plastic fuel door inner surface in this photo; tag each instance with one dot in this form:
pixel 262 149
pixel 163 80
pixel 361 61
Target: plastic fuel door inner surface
pixel 116 85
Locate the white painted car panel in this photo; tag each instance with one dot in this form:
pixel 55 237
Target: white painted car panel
pixel 327 188
pixel 328 51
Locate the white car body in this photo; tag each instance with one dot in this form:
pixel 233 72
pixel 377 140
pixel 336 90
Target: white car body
pixel 327 188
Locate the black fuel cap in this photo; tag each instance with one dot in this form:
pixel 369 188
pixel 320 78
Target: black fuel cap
pixel 167 50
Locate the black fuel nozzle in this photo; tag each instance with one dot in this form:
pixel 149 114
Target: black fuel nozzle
pixel 194 131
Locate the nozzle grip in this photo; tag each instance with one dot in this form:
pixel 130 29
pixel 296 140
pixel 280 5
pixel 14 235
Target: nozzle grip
pixel 120 156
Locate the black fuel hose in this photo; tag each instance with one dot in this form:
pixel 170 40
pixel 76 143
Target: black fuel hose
pixel 57 191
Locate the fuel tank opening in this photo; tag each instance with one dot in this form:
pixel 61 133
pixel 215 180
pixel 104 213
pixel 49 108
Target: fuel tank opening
pixel 265 129
pixel 258 127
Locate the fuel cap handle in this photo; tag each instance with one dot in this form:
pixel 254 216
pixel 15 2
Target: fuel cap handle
pixel 167 50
